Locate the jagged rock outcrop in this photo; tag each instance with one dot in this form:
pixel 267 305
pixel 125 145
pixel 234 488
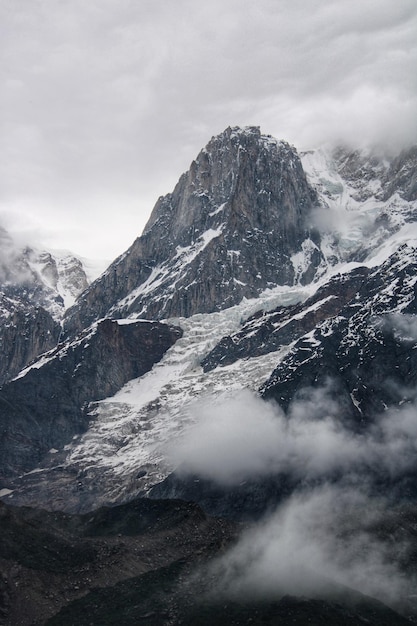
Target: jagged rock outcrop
pixel 377 174
pixel 402 175
pixel 26 331
pixel 228 230
pixel 357 331
pixel 365 172
pixel 45 406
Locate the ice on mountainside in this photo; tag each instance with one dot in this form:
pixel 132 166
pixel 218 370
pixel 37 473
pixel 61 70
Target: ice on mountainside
pixel 129 431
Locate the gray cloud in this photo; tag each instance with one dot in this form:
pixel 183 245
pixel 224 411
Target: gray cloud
pixel 314 542
pixel 105 103
pixel 320 536
pixel 402 325
pixel 243 437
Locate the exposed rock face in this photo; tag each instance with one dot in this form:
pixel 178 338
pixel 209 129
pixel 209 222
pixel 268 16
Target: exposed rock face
pixel 25 332
pixel 356 331
pixel 44 407
pixel 366 173
pixel 402 175
pixel 228 230
pixel 379 176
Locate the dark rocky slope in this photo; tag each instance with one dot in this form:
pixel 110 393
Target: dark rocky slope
pixel 227 231
pixel 26 331
pixel 367 350
pixel 357 330
pixel 146 563
pixel 49 560
pixel 45 406
pixel 268 331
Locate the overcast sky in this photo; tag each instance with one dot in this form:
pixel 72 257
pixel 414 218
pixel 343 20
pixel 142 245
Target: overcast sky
pixel 104 103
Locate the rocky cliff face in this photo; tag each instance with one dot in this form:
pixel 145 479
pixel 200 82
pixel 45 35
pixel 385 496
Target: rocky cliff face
pixel 26 331
pixel 45 406
pixel 229 229
pixel 366 347
pixel 402 175
pixel 357 330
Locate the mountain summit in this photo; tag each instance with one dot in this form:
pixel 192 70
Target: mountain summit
pixel 228 230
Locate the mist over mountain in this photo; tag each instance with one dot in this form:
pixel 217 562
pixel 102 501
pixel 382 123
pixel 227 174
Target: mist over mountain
pixel 253 353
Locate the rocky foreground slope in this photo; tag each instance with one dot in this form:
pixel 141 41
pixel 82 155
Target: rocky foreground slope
pixel 147 562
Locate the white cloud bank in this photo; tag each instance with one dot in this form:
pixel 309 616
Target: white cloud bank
pixel 105 103
pixel 244 437
pixel 325 532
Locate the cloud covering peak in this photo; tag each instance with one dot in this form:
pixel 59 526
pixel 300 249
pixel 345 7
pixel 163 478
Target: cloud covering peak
pixel 104 104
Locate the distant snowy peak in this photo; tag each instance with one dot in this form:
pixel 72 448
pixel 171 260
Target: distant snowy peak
pixel 236 162
pixel 230 229
pixel 364 198
pixel 364 174
pixel 36 286
pixel 49 278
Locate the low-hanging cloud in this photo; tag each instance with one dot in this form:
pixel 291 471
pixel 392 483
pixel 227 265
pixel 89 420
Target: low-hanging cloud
pixel 326 535
pixel 14 268
pixel 312 545
pixel 244 437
